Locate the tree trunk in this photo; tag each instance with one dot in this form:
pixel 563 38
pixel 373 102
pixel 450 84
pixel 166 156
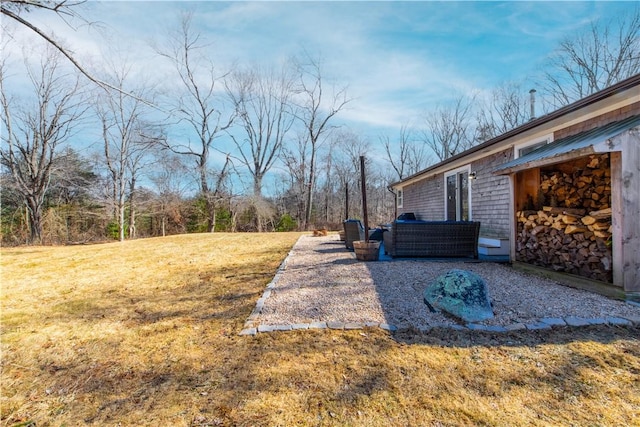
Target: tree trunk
pixel 209 201
pixel 35 220
pixel 121 210
pixel 309 203
pixel 132 210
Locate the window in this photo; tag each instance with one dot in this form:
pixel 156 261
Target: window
pixel 399 198
pixel 527 147
pixel 457 195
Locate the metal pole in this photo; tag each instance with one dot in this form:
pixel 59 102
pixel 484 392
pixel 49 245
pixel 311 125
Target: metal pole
pixel 364 200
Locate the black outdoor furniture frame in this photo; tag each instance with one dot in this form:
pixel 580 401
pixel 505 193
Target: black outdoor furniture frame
pixel 433 239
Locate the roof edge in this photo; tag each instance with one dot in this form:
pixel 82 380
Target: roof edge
pixel 575 106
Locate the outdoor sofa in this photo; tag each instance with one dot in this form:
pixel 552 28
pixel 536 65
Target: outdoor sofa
pixel 407 238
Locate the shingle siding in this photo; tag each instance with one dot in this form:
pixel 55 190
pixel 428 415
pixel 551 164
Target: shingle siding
pixel 425 199
pixel 489 203
pixel 490 195
pixel 604 119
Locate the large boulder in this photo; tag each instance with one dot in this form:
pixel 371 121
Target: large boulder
pixel 461 293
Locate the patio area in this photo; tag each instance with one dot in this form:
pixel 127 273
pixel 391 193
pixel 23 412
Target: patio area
pixel 322 285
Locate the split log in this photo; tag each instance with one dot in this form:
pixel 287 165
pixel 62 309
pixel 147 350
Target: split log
pixel 572 229
pixel 599 226
pixel 601 214
pixel 569 219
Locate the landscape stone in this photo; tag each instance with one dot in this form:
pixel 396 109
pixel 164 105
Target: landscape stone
pixel 318 325
pixel 388 327
pixel 335 325
pixel 554 321
pixel 618 321
pixel 461 293
pixel 442 325
pixel 475 327
pixel 249 331
pixel 633 319
pixel 479 327
pixel 537 326
pixel 597 321
pixel 576 321
pixel 300 326
pixel 495 328
pixel 515 327
pixel 353 325
pixel 260 304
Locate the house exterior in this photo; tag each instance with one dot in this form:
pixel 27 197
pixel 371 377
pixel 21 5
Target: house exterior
pixel 559 194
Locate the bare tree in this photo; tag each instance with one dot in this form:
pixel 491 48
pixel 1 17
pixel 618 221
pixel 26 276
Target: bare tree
pixel 350 147
pixel 148 137
pixel 66 10
pixel 125 139
pixel 316 110
pixel 200 107
pixel 34 133
pixel 262 102
pixel 170 179
pixel 507 108
pixel 294 157
pixel 605 53
pixel 406 156
pixel 448 129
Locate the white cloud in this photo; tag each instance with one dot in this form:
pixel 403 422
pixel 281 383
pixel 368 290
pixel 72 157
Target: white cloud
pixel 398 59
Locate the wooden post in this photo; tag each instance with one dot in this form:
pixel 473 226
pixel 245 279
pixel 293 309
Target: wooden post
pixel 625 204
pixel 513 223
pixel 346 201
pixel 364 200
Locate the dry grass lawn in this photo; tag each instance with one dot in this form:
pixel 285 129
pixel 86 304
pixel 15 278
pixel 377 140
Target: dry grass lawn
pixel 146 333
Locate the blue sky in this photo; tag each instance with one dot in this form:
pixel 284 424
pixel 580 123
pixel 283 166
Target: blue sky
pixel 399 59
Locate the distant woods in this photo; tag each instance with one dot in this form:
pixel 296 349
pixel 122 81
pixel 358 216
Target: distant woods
pixel 91 156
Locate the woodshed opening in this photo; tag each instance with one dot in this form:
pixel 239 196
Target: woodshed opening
pixel 563 217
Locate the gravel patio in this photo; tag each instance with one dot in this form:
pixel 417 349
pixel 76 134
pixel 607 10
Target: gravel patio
pixel 322 285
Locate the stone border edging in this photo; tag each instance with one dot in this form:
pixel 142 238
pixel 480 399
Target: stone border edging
pixel 252 327
pixel 546 323
pixel 252 321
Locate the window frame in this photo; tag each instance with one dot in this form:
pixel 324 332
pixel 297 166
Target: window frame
pixel 543 140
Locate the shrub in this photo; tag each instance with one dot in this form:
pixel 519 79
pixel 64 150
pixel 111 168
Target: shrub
pixel 286 223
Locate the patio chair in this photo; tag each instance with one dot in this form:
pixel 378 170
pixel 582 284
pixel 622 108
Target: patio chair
pixel 353 230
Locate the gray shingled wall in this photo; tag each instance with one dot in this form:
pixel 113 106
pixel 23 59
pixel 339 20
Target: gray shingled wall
pixel 425 199
pixel 490 196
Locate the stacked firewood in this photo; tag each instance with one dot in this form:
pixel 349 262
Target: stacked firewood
pixel 572 231
pixel 588 187
pixel 567 240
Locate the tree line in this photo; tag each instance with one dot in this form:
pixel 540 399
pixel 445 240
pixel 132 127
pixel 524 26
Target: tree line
pixel 157 165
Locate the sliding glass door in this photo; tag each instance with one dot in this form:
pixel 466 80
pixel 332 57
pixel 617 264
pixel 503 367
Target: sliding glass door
pixel 457 196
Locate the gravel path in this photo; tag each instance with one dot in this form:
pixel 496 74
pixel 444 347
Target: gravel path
pixel 323 282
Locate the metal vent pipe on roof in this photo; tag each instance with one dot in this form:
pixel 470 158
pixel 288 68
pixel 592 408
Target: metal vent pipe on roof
pixel 532 102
